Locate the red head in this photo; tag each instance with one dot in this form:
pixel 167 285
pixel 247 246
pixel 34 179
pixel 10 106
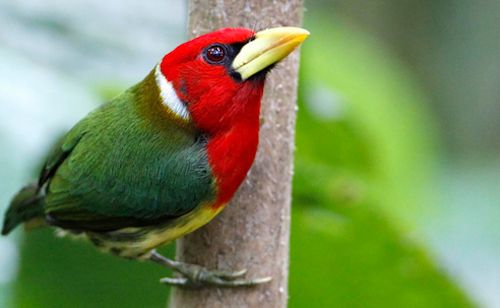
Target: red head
pixel 205 77
pixel 217 80
pixel 201 74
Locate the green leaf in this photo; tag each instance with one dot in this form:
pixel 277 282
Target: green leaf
pixel 357 259
pixel 60 272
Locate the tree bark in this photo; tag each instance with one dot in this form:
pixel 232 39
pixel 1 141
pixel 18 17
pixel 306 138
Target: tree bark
pixel 253 231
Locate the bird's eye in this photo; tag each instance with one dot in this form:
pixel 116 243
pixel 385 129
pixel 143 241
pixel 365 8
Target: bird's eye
pixel 215 54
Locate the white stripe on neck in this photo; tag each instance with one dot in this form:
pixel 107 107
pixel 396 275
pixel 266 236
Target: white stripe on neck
pixel 169 97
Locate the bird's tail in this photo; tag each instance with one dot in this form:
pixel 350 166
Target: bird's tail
pixel 26 207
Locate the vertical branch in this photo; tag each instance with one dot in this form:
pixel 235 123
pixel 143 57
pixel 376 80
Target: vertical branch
pixel 253 231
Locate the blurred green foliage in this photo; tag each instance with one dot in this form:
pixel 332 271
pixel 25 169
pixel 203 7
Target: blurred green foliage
pixel 382 133
pixel 363 170
pixel 352 257
pixel 366 164
pixel 59 272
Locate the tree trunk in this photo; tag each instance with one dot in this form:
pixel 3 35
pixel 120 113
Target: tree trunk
pixel 253 231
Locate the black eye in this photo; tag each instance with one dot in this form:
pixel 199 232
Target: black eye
pixel 215 54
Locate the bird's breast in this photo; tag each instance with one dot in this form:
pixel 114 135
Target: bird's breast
pixel 230 156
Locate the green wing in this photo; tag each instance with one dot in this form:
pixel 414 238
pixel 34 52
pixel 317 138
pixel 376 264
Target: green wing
pixel 59 155
pixel 126 165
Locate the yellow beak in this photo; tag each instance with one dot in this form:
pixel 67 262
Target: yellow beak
pixel 269 47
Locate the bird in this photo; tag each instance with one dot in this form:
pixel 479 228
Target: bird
pixel 164 157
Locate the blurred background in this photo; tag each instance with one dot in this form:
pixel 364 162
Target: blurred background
pixel 396 199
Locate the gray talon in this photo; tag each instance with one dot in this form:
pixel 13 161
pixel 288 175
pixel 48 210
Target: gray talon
pixel 230 275
pixel 197 276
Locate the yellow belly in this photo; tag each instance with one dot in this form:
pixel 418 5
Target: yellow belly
pixel 138 242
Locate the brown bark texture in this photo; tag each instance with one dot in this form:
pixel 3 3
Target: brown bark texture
pixel 253 231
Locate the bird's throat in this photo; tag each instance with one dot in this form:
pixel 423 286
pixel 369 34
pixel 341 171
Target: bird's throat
pixel 231 155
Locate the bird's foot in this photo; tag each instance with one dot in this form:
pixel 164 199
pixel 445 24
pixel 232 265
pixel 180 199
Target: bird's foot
pixel 204 278
pixel 197 276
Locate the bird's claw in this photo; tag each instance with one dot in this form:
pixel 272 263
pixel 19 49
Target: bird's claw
pixel 228 275
pixel 214 279
pixel 193 275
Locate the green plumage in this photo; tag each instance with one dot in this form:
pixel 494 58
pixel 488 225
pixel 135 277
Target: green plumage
pixel 128 163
